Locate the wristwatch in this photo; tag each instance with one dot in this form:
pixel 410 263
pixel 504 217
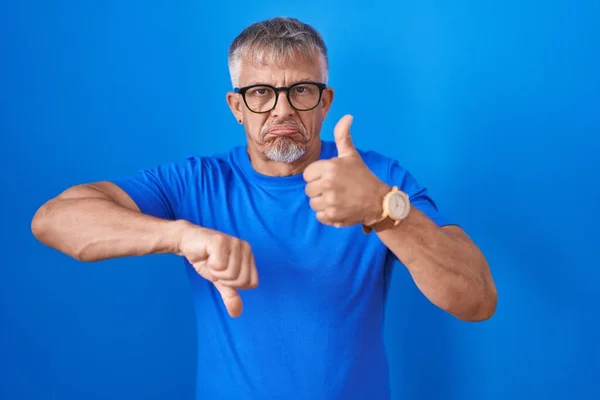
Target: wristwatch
pixel 396 206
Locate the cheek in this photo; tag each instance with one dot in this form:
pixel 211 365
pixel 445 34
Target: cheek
pixel 254 125
pixel 311 123
pixel 316 126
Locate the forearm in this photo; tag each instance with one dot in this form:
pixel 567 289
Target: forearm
pixel 95 228
pixel 449 270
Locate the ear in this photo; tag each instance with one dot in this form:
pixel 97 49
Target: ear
pixel 326 101
pixel 234 101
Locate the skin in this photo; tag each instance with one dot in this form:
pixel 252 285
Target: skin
pixel 253 123
pixel 98 221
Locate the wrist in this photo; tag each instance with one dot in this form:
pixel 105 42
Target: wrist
pixel 375 212
pixel 395 207
pixel 173 235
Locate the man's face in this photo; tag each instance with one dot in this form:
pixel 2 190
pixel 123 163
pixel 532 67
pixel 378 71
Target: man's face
pixel 283 134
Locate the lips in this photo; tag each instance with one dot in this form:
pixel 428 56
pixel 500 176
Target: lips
pixel 284 131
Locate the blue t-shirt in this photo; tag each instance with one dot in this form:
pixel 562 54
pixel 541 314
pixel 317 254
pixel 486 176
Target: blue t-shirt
pixel 313 328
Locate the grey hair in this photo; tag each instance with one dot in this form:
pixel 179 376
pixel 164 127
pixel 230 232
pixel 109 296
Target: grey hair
pixel 277 41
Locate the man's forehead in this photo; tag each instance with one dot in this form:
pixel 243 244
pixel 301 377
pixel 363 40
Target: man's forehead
pixel 274 81
pixel 281 66
pixel 275 72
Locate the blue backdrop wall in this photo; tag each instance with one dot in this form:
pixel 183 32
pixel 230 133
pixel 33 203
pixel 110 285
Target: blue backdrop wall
pixel 494 107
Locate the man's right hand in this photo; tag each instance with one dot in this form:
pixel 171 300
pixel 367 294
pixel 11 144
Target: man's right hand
pixel 224 260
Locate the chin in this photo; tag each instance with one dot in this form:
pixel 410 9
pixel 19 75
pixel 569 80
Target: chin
pixel 285 150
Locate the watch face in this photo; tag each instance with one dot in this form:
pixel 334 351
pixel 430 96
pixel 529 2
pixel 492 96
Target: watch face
pixel 398 206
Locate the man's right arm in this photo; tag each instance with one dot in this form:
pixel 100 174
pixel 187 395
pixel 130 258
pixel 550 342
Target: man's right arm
pixel 140 215
pixel 99 221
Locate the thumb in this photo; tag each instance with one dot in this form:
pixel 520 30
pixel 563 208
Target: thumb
pixel 231 299
pixel 343 140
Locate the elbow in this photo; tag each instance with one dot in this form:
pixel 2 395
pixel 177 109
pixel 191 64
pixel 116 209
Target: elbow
pixel 483 313
pixel 40 222
pixel 44 229
pixel 482 305
pixel 86 255
pixel 482 308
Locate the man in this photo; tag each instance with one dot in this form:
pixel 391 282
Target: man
pixel 319 224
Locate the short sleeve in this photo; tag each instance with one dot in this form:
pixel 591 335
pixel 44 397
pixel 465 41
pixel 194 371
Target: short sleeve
pixel 159 191
pixel 419 196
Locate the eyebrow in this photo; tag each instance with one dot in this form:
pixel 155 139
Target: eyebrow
pixel 255 82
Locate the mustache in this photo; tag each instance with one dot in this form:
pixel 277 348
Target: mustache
pixel 267 127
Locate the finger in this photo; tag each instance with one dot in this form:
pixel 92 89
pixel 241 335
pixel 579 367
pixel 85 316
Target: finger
pixel 323 218
pixel 343 139
pixel 233 264
pixel 318 203
pixel 218 257
pixel 246 271
pixel 242 281
pixel 202 270
pixel 253 271
pixel 313 189
pixel 231 299
pixel 314 171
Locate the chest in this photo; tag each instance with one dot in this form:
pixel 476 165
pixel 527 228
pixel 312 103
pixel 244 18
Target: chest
pixel 297 257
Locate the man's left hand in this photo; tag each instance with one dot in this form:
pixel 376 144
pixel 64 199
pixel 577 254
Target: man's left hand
pixel 343 190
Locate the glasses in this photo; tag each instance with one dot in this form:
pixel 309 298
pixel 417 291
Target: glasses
pixel 302 96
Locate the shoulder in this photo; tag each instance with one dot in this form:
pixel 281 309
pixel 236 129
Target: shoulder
pixel 180 174
pixel 388 170
pixel 198 165
pixel 392 172
pixel 378 162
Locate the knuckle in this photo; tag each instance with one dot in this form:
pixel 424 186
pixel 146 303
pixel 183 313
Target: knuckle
pixel 327 183
pixel 321 217
pixel 230 274
pixel 217 266
pixel 332 214
pixel 307 173
pixel 220 240
pixel 313 203
pixel 245 283
pixel 245 246
pixel 331 198
pixel 309 190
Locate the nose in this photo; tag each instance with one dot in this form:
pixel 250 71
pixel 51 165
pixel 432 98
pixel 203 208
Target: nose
pixel 283 107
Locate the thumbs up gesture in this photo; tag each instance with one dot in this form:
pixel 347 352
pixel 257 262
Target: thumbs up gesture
pixel 343 191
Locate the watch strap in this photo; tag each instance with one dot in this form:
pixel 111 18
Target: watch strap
pixel 385 222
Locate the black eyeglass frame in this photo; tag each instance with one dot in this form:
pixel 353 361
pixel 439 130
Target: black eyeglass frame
pixel 277 90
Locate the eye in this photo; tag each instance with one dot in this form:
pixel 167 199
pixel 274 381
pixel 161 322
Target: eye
pixel 259 91
pixel 304 89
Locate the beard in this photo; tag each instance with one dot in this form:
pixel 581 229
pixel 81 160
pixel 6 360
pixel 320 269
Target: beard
pixel 285 149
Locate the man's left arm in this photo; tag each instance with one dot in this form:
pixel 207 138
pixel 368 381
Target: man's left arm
pixel 445 264
pixel 448 268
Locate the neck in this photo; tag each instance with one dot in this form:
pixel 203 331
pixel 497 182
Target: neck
pixel 268 167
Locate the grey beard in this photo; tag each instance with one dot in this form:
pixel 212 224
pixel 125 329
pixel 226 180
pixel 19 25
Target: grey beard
pixel 285 150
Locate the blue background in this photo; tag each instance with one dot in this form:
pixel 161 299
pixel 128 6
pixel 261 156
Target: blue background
pixel 494 107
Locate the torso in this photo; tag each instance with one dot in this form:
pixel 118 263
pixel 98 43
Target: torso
pixel 313 328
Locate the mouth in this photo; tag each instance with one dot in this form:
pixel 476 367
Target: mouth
pixel 284 130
